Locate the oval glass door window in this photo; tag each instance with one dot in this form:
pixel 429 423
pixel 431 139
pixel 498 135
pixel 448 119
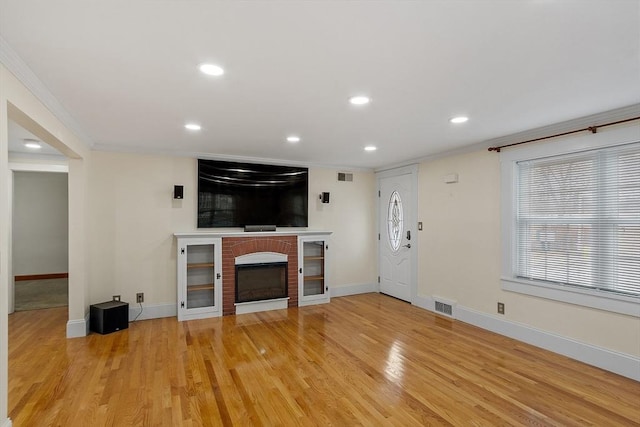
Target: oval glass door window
pixel 394 221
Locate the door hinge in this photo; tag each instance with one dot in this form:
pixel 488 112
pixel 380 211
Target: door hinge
pixel 378 279
pixel 182 304
pixel 218 276
pixel 182 251
pixel 378 236
pixel 378 193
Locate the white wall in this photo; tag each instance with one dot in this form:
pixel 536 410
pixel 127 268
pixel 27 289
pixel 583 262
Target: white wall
pixel 40 223
pixel 351 215
pixel 132 220
pixel 133 217
pixel 460 253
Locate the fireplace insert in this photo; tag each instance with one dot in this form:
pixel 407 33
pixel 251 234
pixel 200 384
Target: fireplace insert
pixel 264 281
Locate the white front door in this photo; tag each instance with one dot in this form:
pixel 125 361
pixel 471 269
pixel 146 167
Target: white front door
pixel 396 207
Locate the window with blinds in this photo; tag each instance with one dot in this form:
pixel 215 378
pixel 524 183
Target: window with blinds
pixel 578 220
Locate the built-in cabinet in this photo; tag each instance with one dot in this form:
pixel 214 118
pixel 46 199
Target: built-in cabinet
pixel 313 287
pixel 199 278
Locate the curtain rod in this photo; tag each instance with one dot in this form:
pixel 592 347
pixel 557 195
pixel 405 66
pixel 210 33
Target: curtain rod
pixel 592 129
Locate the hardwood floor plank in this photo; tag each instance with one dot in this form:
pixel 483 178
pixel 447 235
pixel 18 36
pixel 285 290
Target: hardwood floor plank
pixel 365 360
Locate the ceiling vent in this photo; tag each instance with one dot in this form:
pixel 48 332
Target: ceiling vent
pixel 345 176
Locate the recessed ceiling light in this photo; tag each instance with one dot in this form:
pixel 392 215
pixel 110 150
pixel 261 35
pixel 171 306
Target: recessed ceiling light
pixel 459 119
pixel 193 126
pixel 293 139
pixel 211 69
pixel 370 148
pixel 32 144
pixel 359 100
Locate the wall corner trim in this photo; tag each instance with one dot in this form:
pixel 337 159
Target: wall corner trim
pixel 78 327
pixel 7 423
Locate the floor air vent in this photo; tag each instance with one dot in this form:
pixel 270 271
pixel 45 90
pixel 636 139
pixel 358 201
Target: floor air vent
pixel 444 308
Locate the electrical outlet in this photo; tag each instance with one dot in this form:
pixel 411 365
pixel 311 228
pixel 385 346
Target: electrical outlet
pixel 140 297
pixel 116 297
pixel 500 308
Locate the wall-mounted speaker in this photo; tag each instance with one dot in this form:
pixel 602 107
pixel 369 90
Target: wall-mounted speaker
pixel 324 197
pixel 178 191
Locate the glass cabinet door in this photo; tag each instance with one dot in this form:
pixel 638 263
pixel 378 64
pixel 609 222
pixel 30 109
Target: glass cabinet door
pixel 313 268
pixel 200 276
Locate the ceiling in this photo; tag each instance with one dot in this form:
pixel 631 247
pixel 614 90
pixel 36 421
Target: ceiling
pixel 18 136
pixel 126 72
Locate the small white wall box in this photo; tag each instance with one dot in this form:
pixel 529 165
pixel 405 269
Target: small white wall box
pixel 451 178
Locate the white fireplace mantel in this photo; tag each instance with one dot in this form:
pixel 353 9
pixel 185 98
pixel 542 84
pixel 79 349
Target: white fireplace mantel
pixel 238 232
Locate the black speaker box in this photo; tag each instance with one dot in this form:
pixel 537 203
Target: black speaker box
pixel 108 317
pixel 178 191
pixel 324 197
pixel 253 228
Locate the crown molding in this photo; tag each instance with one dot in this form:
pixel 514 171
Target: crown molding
pixel 12 61
pixel 226 157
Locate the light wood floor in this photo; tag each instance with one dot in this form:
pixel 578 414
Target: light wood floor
pixel 360 360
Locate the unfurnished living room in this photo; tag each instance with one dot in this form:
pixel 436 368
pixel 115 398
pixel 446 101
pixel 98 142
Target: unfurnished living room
pixel 406 213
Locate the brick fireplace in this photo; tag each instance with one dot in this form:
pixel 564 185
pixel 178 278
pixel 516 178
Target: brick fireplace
pixel 233 247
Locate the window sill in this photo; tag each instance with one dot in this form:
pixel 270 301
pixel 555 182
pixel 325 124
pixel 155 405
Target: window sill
pixel 621 304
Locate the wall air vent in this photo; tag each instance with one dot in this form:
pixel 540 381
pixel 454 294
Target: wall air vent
pixel 345 176
pixel 444 307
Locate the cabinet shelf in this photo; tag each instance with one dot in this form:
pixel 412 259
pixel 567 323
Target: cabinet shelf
pixel 313 281
pixel 200 265
pixel 199 288
pixel 203 287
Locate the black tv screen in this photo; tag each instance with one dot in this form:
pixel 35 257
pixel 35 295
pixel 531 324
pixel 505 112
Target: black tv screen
pixel 232 194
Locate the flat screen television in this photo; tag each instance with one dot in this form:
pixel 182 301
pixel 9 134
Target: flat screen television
pixel 232 194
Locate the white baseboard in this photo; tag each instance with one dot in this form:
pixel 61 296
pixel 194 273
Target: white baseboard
pixel 78 327
pixel 612 361
pixel 424 302
pixel 362 288
pixel 152 311
pixel 7 423
pixel 81 327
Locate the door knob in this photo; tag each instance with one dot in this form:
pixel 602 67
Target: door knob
pixel 408 246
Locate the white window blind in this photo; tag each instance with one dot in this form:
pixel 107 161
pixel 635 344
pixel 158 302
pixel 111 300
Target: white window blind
pixel 578 220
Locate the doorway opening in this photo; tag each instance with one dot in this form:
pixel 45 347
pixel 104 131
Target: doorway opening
pixel 40 240
pixel 39 222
